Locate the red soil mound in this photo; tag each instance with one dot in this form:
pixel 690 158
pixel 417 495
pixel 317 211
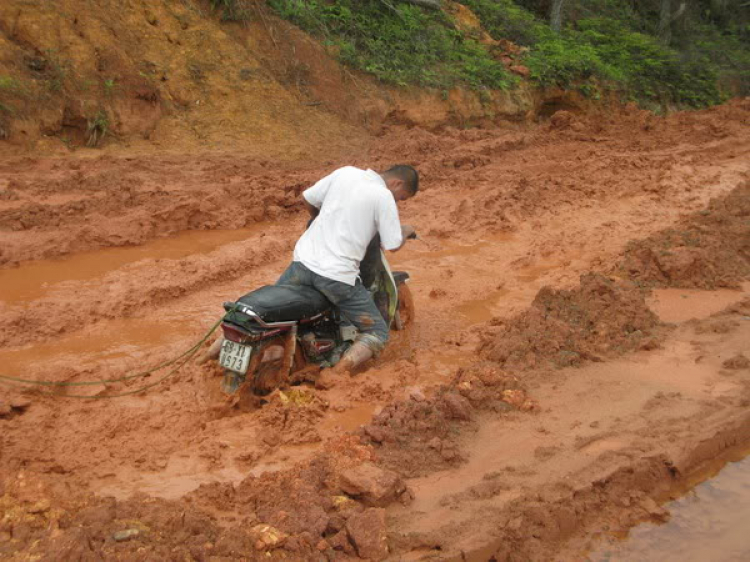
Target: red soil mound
pixel 418 435
pixel 562 328
pixel 707 250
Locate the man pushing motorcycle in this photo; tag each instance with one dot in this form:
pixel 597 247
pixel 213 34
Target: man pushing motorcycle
pixel 349 208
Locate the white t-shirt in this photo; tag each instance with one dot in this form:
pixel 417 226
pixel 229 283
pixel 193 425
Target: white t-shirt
pixel 354 206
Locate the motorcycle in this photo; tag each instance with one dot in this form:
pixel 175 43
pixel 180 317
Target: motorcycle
pixel 281 335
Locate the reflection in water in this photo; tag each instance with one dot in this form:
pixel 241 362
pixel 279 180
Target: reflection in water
pixel 709 523
pixel 33 280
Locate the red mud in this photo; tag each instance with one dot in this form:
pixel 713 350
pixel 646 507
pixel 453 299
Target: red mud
pixel 565 328
pixel 474 442
pixel 707 250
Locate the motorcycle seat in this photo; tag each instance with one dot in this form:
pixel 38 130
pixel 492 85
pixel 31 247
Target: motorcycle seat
pixel 285 303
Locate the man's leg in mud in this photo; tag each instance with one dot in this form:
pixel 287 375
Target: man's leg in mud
pixel 356 304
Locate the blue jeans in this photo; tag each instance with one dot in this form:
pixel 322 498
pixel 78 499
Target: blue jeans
pixel 354 303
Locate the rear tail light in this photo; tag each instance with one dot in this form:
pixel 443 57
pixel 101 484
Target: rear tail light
pixel 239 335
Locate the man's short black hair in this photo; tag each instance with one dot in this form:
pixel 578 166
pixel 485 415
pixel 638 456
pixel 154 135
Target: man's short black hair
pixel 408 174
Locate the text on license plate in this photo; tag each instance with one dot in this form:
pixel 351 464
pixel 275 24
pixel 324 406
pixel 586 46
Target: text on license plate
pixel 235 356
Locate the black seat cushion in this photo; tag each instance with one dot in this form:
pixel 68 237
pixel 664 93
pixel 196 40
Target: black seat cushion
pixel 284 303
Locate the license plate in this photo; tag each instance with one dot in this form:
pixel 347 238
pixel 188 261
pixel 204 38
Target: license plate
pixel 235 356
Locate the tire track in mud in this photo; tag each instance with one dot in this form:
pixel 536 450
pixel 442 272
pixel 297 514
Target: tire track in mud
pixel 168 441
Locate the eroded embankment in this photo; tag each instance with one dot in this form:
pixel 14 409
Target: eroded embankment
pixel 453 460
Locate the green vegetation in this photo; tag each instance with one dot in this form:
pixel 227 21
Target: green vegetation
pixel 8 84
pixel 231 10
pixel 11 87
pixel 57 71
pixel 110 86
pixel 12 91
pixel 606 49
pixel 97 129
pixel 399 43
pixel 614 45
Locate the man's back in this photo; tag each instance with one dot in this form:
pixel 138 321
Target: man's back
pixel 354 206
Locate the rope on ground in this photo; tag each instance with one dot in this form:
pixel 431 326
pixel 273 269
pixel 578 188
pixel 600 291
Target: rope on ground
pixel 187 355
pixel 130 392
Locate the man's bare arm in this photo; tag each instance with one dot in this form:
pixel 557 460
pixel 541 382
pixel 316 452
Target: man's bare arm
pixel 407 232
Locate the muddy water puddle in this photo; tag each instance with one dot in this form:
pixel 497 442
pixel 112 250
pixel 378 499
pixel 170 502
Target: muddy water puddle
pixel 680 305
pixel 445 252
pixel 710 522
pixel 532 273
pixel 502 300
pixel 482 310
pixel 33 280
pixel 438 367
pixel 451 249
pixel 180 477
pixel 100 344
pixel 349 419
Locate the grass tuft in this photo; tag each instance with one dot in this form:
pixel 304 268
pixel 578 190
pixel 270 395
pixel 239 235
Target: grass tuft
pixel 97 129
pixel 231 10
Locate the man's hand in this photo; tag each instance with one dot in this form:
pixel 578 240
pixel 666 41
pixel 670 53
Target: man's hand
pixel 407 233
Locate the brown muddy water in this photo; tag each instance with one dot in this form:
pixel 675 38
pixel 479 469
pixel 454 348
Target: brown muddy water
pixel 680 305
pixel 97 345
pixel 32 280
pixel 711 522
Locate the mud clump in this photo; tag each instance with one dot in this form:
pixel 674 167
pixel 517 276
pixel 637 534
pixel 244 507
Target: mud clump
pixel 564 120
pixel 291 417
pixel 419 435
pixel 709 249
pixel 301 513
pixel 739 361
pixel 13 407
pixel 368 533
pixel 372 485
pixel 561 328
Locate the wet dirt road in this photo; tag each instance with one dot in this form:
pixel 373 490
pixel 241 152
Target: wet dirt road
pixel 502 214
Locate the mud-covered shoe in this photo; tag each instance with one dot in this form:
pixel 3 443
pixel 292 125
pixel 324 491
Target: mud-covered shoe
pixel 355 356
